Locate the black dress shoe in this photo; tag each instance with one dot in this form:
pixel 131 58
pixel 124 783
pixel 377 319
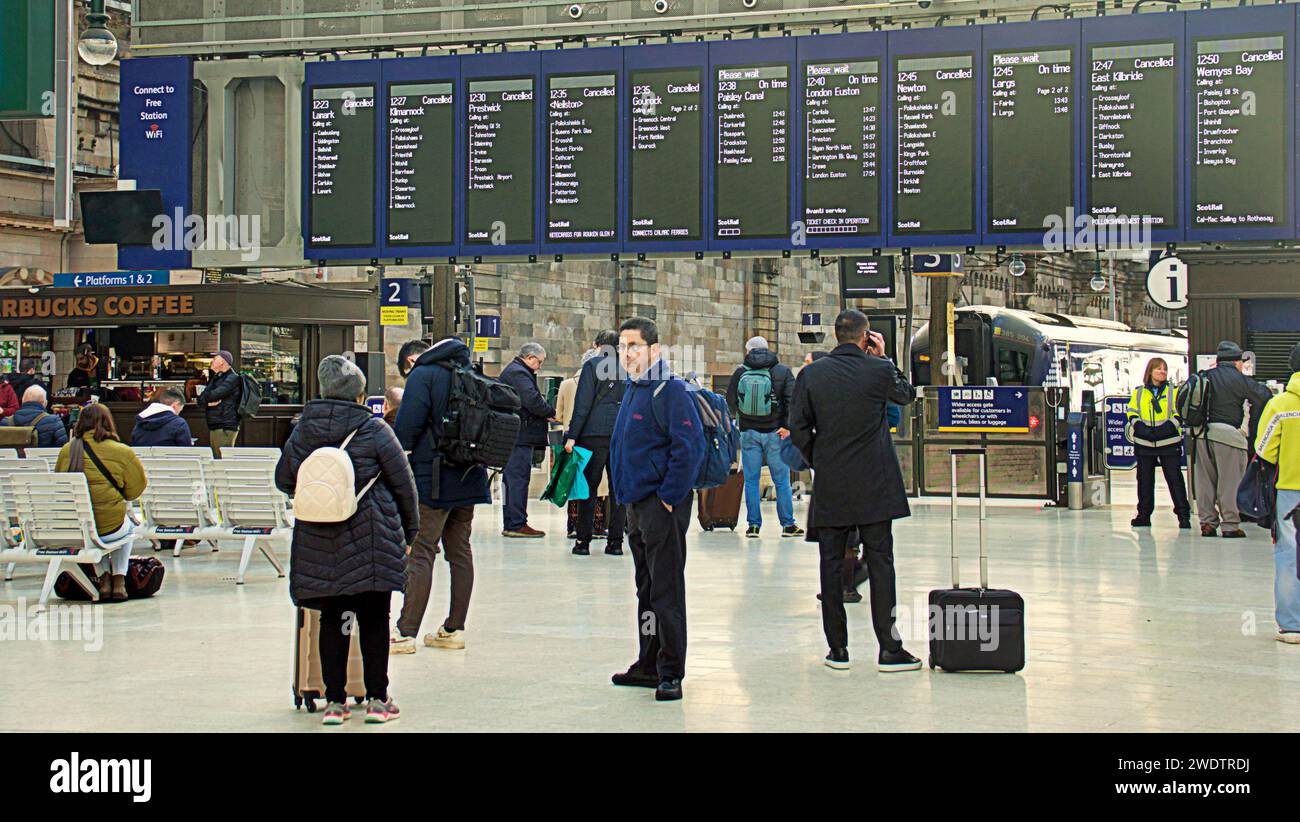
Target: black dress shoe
pixel 1184 522
pixel 838 659
pixel 634 677
pixel 1140 522
pixel 581 550
pixel 614 550
pixel 668 690
pixel 851 596
pixel 900 660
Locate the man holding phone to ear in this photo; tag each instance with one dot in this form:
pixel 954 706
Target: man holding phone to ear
pixel 838 422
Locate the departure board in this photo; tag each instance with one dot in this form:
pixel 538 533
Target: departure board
pixel 341 171
pixel 1030 168
pixel 499 120
pixel 1240 133
pixel 582 158
pixel 665 169
pixel 841 139
pixel 421 164
pixel 1132 153
pixel 751 169
pixel 934 152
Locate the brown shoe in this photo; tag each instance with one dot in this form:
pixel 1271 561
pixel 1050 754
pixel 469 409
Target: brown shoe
pixel 119 587
pixel 1235 533
pixel 105 587
pixel 1209 531
pixel 526 532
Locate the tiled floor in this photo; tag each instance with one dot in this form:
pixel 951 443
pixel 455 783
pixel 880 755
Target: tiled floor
pixel 1156 631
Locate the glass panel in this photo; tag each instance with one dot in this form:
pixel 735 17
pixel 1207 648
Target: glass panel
pixel 259 157
pixel 272 355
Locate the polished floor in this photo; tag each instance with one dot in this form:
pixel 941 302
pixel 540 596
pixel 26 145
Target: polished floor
pixel 1159 631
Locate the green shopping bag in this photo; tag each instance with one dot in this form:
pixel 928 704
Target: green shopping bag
pixel 567 480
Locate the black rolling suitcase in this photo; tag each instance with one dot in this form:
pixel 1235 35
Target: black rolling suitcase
pixel 975 629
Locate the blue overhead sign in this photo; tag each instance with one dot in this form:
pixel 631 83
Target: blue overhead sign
pixel 399 292
pixel 1120 454
pixel 112 279
pixel 999 409
pixel 487 325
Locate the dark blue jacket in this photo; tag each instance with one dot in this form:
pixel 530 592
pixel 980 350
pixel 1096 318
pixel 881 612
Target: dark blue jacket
pixel 423 406
pixel 601 376
pixel 225 389
pixel 534 410
pixel 50 432
pixel 658 443
pixel 159 425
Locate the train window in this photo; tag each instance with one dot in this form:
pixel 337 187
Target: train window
pixel 1013 366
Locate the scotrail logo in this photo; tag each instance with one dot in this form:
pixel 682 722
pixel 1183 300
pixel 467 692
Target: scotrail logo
pixel 125 776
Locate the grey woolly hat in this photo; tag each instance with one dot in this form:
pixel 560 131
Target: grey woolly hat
pixel 340 379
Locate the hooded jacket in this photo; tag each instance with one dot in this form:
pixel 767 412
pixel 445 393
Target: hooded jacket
pixel 601 384
pixel 1279 435
pixel 50 432
pixel 367 552
pixel 782 390
pixel 423 405
pixel 158 425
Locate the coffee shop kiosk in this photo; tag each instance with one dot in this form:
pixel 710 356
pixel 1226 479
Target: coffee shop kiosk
pixel 138 340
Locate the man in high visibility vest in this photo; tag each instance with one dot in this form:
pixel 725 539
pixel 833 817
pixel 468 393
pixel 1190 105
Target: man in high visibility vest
pixel 1157 436
pixel 1278 442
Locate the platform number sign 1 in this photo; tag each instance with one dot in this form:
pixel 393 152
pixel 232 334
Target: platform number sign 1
pixel 1167 283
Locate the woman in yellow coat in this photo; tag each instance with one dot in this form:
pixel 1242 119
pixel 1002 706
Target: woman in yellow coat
pixel 1154 429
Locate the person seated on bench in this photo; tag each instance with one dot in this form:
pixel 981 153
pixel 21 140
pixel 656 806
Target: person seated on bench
pixel 114 475
pixel 49 428
pixel 160 423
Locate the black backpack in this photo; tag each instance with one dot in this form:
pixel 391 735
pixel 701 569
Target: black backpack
pixel 250 397
pixel 1193 401
pixel 481 423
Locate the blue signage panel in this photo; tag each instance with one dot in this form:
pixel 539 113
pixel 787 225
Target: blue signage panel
pixel 937 265
pixel 156 151
pixel 1074 448
pixel 376 405
pixel 487 325
pixel 112 279
pixel 996 409
pixel 1120 454
pixel 399 292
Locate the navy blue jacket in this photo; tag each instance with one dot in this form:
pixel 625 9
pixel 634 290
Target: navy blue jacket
pixel 159 425
pixel 604 376
pixel 366 552
pixel 224 389
pixel 422 409
pixel 50 432
pixel 658 443
pixel 534 410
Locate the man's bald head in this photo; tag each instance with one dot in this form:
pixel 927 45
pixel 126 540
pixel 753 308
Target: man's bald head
pixel 34 393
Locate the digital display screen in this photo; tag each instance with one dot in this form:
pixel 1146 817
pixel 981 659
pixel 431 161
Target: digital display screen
pixel 1240 134
pixel 1030 137
pixel 1132 152
pixel 841 138
pixel 421 163
pixel 582 158
pixel 499 144
pixel 341 137
pixel 870 277
pixel 666 147
pixel 751 171
pixel 934 110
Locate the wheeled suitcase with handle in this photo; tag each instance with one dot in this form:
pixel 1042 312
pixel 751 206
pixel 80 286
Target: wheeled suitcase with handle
pixel 975 629
pixel 308 681
pixel 720 507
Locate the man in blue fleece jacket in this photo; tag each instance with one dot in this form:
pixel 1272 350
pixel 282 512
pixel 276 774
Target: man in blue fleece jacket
pixel 657 450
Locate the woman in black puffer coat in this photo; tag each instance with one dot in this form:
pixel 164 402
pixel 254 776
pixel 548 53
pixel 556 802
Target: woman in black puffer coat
pixel 352 567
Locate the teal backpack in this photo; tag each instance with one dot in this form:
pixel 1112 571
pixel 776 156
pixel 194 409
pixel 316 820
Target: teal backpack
pixel 754 393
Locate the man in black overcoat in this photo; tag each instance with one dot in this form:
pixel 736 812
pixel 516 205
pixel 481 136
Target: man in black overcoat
pixel 837 421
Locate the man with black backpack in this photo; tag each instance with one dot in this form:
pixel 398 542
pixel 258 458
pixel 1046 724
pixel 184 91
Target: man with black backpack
pixel 595 407
pixel 448 492
pixel 221 400
pixel 759 395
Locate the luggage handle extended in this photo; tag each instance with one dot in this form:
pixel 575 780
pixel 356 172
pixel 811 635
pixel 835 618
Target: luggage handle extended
pixel 953 454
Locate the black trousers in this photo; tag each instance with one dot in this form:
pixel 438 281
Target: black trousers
pixel 1170 464
pixel 878 546
pixel 657 538
pixel 339 616
pixel 597 465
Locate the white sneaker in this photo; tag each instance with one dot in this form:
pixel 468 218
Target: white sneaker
pixel 1288 637
pixel 398 644
pixel 451 640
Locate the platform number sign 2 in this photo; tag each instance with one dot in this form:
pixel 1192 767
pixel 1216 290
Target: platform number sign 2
pixel 1167 283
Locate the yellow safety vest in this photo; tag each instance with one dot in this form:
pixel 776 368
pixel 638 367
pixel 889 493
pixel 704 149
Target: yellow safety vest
pixel 1141 406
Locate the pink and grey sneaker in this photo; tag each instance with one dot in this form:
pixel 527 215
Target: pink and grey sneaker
pixel 336 713
pixel 379 711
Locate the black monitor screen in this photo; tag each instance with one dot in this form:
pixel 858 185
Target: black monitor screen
pixel 421 163
pixel 499 143
pixel 869 277
pixel 751 172
pixel 841 137
pixel 582 158
pixel 341 169
pixel 121 217
pixel 665 154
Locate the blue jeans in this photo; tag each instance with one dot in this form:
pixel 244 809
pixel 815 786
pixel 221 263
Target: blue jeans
pixel 515 478
pixel 1286 588
pixel 754 446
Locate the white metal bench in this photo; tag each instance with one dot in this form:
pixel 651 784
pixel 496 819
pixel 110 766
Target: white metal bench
pixel 252 509
pixel 8 514
pixel 182 452
pixel 243 452
pixel 62 535
pixel 177 502
pixel 50 455
pixel 9 453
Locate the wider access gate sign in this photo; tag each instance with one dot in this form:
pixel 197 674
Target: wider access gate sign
pixel 997 409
